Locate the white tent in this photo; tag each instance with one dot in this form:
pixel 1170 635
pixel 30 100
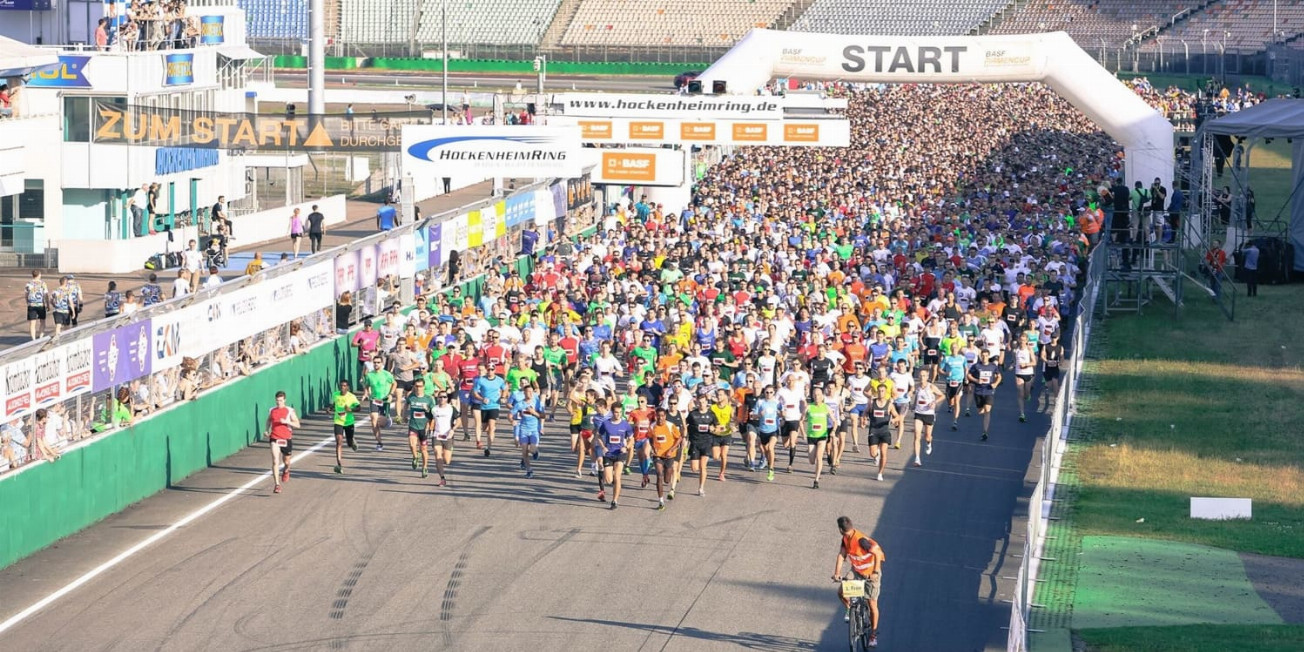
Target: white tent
pixel 1051 58
pixel 18 58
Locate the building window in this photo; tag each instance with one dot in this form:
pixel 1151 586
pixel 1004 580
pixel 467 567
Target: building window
pixel 77 119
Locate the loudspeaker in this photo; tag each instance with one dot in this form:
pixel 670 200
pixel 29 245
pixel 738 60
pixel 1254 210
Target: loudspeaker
pixel 695 87
pixel 718 87
pixel 1276 260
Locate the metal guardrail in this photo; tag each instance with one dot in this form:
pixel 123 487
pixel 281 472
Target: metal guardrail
pixel 1052 450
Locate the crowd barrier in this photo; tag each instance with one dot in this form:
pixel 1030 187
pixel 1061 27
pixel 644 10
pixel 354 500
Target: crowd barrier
pixel 1052 450
pixel 233 347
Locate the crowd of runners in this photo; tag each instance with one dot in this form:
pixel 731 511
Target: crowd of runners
pixel 825 304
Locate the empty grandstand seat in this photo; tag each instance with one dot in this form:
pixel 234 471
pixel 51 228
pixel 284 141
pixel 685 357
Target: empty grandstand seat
pixel 897 17
pixel 669 22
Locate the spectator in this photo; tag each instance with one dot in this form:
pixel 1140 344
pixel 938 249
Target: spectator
pixel 192 261
pixel 256 265
pixel 181 284
pixel 214 278
pixel 344 313
pixel 138 204
pixel 102 35
pixel 219 216
pixel 36 294
pixel 296 232
pixel 38 447
pixel 76 298
pixel 123 408
pixel 6 102
pixel 151 199
pixel 112 300
pixel 151 293
pixel 316 229
pixel 1250 267
pixel 130 303
pixel 285 258
pixel 1215 259
pixel 61 300
pixel 386 217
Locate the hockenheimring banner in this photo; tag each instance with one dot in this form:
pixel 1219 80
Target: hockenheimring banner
pixel 498 151
pixel 1052 58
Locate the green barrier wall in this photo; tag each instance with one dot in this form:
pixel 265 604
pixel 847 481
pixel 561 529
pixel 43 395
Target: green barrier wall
pixel 492 66
pixel 50 501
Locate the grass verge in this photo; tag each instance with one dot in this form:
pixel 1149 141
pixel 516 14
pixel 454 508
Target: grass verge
pixel 1195 638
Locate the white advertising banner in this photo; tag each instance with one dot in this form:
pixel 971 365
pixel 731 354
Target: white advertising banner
pixel 387 259
pixel 346 273
pixel 461 233
pixel 543 208
pixel 367 267
pixel 61 373
pixel 407 249
pixel 488 224
pixel 786 133
pixel 615 105
pixel 498 151
pixel 19 379
pixel 229 318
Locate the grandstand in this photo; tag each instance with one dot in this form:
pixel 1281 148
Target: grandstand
pixel 276 19
pixel 1095 23
pixel 1247 24
pixel 669 22
pixel 895 17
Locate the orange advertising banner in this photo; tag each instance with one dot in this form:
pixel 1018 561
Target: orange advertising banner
pixel 801 133
pixel 595 129
pixel 697 131
pixel 644 130
pixel 634 167
pixel 751 132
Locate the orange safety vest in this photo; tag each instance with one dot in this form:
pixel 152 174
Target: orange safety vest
pixel 1091 223
pixel 862 560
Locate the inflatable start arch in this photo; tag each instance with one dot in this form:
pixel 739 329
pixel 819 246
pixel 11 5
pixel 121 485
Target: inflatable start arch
pixel 1051 58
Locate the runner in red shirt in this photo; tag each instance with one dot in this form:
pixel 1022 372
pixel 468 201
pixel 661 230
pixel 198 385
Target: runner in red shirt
pixel 466 371
pixel 494 353
pixel 281 422
pixel 642 418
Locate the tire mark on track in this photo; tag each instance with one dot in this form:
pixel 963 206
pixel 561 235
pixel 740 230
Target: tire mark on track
pixel 449 603
pixel 346 587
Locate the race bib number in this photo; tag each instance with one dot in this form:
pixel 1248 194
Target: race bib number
pixel 769 421
pixel 853 588
pixel 418 414
pixel 879 414
pixel 661 439
pixel 984 377
pixel 444 436
pixel 953 383
pixel 377 403
pixel 280 443
pixel 932 352
pixel 1052 363
pixel 614 440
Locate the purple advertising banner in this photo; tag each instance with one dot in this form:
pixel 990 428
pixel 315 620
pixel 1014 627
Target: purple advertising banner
pixel 436 244
pixel 121 355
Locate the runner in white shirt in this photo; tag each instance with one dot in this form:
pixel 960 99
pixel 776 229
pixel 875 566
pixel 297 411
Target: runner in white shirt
pixel 927 399
pixel 903 386
pixel 608 368
pixel 442 423
pixel 792 404
pixel 858 385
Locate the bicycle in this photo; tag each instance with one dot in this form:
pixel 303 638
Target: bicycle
pixel 860 626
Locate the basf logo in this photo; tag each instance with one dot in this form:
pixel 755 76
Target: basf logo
pixel 495 151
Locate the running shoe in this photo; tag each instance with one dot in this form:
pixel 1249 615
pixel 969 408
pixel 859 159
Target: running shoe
pixel 602 496
pixel 466 436
pixel 486 451
pixel 917 462
pixel 897 445
pixel 928 449
pixel 671 495
pixel 966 412
pixel 535 456
pixel 613 505
pixel 645 481
pixel 954 426
pixel 769 477
pixel 880 477
pixel 873 459
pixel 579 474
pixel 414 463
pixel 833 470
pixel 529 473
pixel 443 482
pixel 522 464
pixel 354 446
pixel 873 640
pixel 846 616
pixel 701 492
pixel 277 490
pixel 984 436
pixel 479 444
pixel 789 469
pixel 627 471
pixel 424 474
pixel 380 448
pixel 855 448
pixel 661 507
pixel 763 465
pixel 816 485
pixel 285 475
pixel 339 469
pixel 1023 418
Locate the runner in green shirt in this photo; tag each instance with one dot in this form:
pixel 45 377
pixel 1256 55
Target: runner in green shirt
pixel 343 405
pixel 437 380
pixel 379 385
pixel 645 352
pixel 418 409
pixel 816 426
pixel 521 371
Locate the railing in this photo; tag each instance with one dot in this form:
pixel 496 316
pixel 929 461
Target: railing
pixel 100 377
pixel 1052 450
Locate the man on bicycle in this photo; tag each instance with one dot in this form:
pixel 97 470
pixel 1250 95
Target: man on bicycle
pixel 866 559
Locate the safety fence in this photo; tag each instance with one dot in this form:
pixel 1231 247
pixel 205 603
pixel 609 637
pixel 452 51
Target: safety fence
pixel 106 376
pixel 1052 450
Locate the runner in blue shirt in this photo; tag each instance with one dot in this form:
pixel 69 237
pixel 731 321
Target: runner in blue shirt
pixel 953 368
pixel 528 412
pixel 766 413
pixel 487 393
pixel 386 217
pixel 612 437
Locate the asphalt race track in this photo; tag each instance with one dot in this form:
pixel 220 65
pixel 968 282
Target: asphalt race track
pixel 378 559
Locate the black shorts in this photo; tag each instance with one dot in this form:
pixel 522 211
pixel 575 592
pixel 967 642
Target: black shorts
pixel 699 449
pixel 379 408
pixel 422 435
pixel 287 448
pixel 343 431
pixel 926 419
pixel 575 428
pixel 953 391
pixel 63 318
pixel 35 313
pixel 877 437
pixel 1050 373
pixel 931 357
pixel 815 440
pixel 608 461
pixel 722 440
pixel 766 437
pixel 488 414
pixel 295 236
pixel 1027 378
pixel 406 385
pixel 982 400
pixel 790 428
